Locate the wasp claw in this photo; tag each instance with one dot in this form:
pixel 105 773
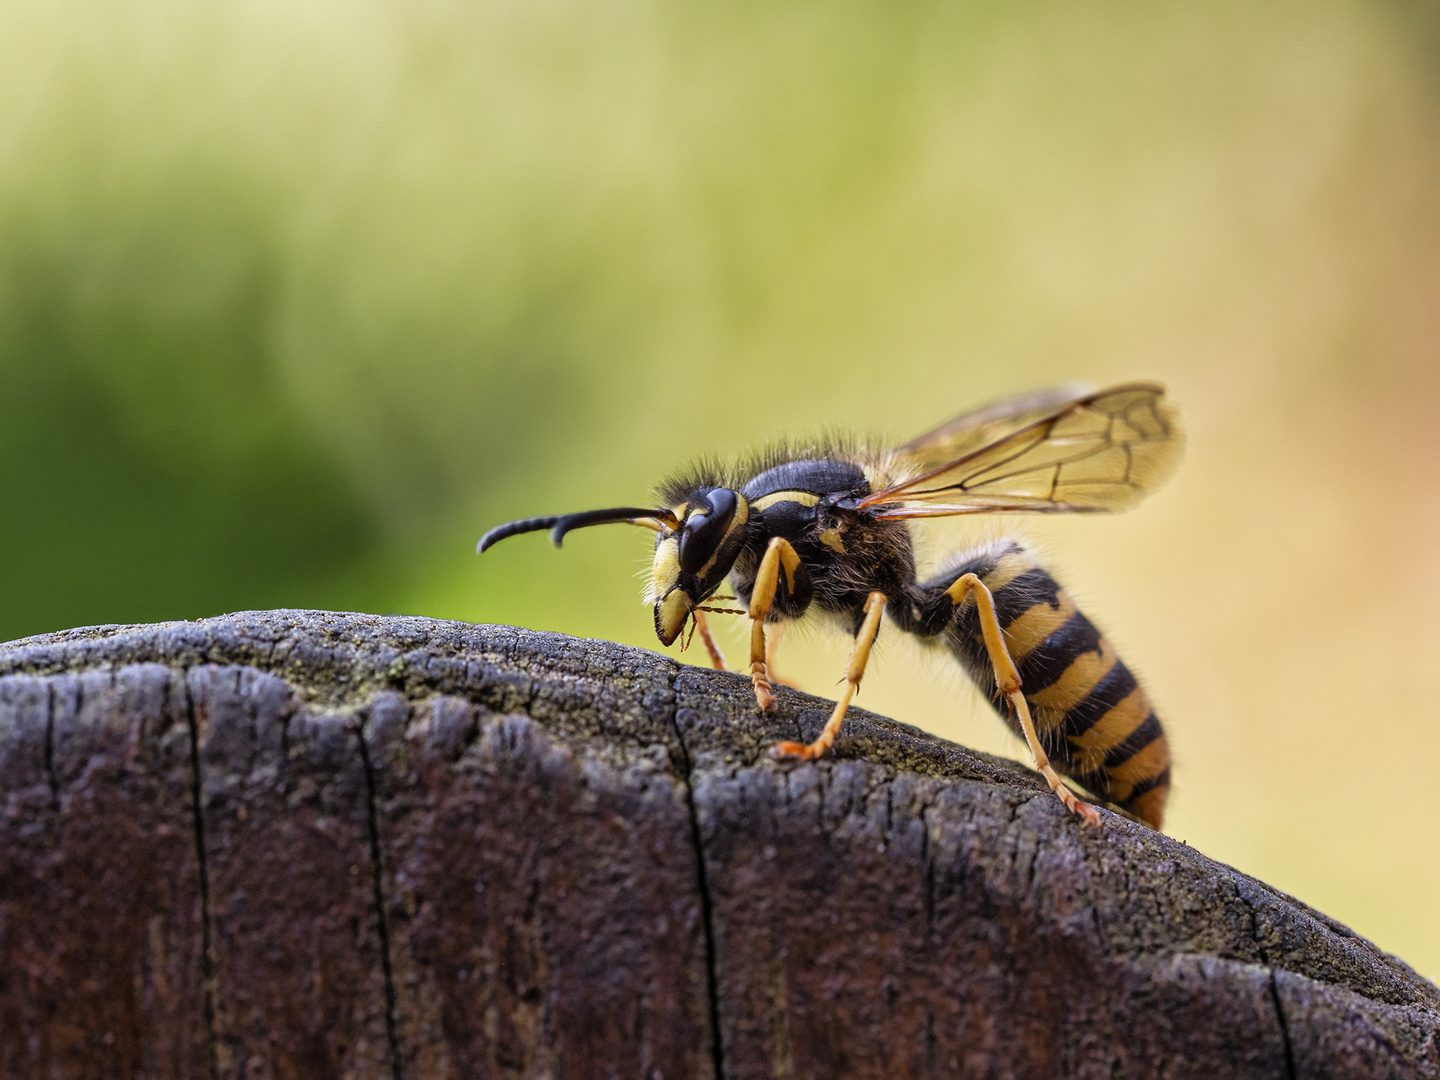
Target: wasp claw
pixel 791 750
pixel 764 694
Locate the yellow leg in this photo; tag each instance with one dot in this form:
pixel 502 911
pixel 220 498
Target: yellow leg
pixel 717 658
pixel 778 556
pixel 1007 680
pixel 854 672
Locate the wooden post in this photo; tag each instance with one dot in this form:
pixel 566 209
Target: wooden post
pixel 302 844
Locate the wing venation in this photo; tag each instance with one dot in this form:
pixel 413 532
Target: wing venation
pixel 1104 451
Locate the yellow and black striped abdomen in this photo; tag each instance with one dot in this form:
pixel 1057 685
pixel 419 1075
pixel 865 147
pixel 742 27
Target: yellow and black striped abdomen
pixel 1092 716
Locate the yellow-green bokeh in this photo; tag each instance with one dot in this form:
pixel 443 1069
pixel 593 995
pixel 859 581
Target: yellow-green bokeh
pixel 296 299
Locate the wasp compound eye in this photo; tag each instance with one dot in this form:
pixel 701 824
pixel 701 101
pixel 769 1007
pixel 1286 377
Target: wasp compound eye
pixel 704 531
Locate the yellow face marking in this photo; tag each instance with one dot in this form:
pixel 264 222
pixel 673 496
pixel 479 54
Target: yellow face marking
pixel 1077 681
pixel 1037 624
pixel 666 569
pixel 804 498
pixel 671 615
pixel 1111 730
pixel 1007 569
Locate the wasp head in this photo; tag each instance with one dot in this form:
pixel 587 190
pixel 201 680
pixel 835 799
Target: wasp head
pixel 692 559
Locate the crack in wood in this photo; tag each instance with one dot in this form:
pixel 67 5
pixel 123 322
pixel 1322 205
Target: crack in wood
pixel 50 776
pixel 377 871
pixel 712 978
pixel 207 956
pixel 1284 1027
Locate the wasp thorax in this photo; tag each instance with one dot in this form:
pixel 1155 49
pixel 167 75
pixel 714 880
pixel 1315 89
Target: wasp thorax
pixel 692 560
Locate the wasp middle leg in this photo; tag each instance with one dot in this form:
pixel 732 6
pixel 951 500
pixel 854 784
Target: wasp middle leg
pixel 854 672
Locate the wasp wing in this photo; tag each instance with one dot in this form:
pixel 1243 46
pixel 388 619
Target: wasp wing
pixel 1103 451
pixel 982 426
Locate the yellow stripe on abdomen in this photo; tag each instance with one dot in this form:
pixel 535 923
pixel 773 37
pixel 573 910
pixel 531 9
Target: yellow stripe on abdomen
pixel 1006 568
pixel 1079 679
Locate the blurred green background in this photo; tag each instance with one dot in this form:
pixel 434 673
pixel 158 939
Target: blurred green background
pixel 297 298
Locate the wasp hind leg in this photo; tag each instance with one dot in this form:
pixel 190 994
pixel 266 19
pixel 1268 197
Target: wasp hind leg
pixel 854 672
pixel 1007 681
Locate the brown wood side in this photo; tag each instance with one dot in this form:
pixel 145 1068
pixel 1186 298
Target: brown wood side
pixel 304 844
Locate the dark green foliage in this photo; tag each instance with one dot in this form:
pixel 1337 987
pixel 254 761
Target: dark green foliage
pixel 152 467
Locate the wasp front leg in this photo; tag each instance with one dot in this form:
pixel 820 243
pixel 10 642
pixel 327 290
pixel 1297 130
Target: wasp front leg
pixel 1007 681
pixel 854 672
pixel 779 556
pixel 717 658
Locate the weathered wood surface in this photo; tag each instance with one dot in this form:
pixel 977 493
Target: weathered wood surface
pixel 298 844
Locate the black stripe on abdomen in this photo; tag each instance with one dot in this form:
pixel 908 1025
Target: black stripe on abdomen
pixel 1133 743
pixel 1044 664
pixel 1114 687
pixel 1021 594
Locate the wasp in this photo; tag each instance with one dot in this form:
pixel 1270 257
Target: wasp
pixel 827 527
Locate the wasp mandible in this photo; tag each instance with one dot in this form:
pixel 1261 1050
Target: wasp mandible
pixel 827 526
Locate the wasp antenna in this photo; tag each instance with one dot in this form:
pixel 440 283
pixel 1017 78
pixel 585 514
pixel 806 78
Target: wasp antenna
pixel 513 528
pixel 563 523
pixel 628 514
